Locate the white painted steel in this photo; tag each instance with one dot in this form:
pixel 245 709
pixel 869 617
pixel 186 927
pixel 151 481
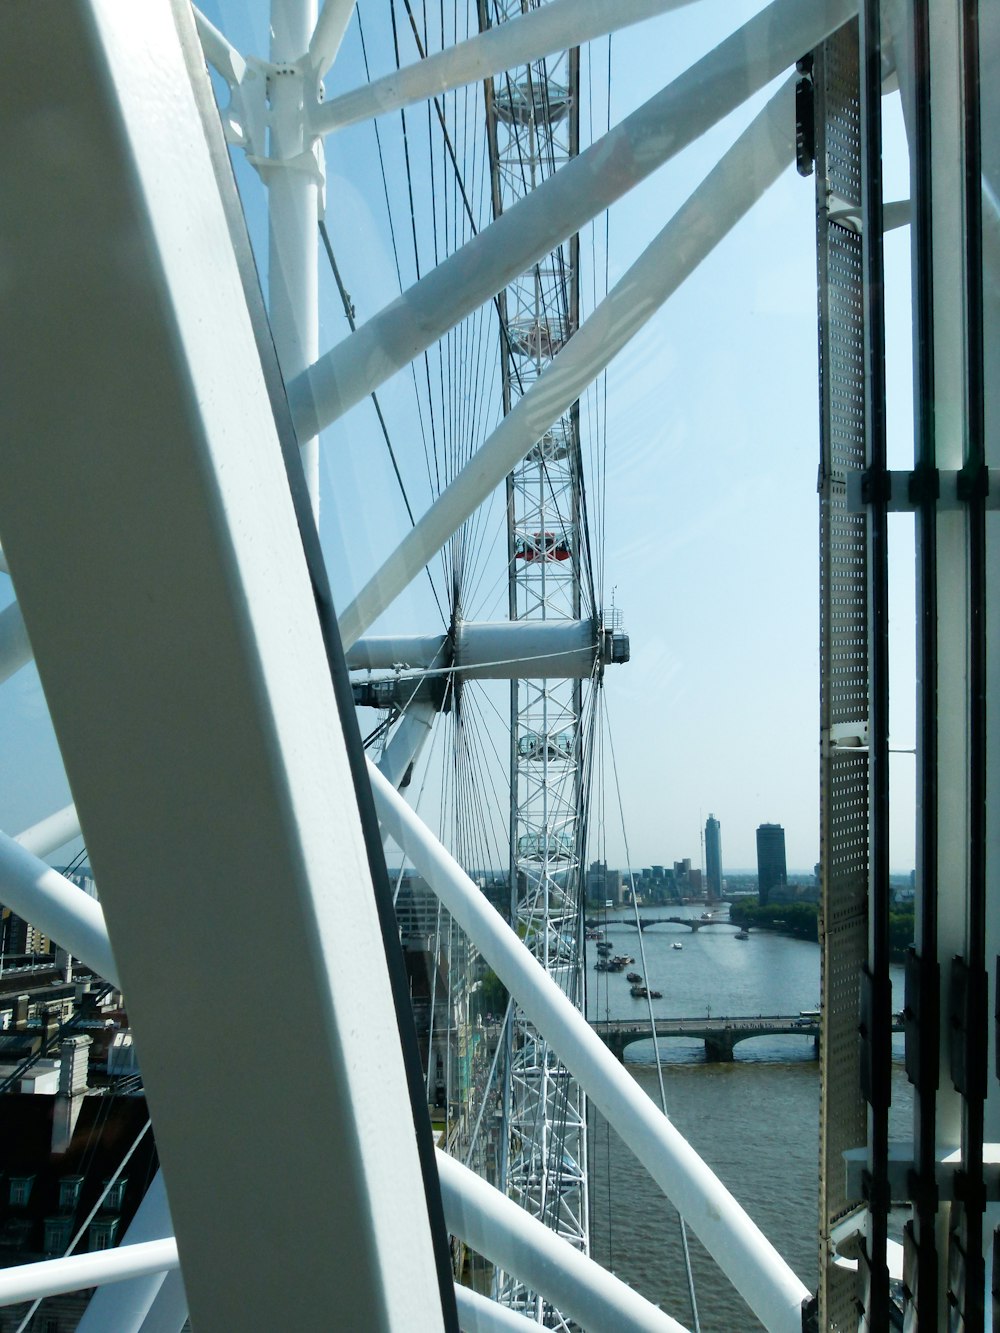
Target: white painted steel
pixel 386 652
pixel 527 649
pixel 124 1306
pixel 537 33
pixel 49 834
pixel 741 1250
pixel 408 740
pixel 203 659
pixel 584 187
pixel 513 1240
pixel 56 906
pixel 478 1314
pixel 328 34
pixel 507 650
pixel 15 646
pixel 168 1312
pixel 50 1277
pixel 293 175
pixel 740 177
pixel 219 51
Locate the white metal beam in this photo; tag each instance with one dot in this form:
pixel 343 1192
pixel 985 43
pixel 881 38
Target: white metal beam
pixel 56 906
pixel 535 34
pixel 743 1253
pixel 407 742
pixel 506 650
pixel 478 1314
pixel 739 178
pixel 518 1243
pixel 15 646
pixel 328 34
pixel 50 1277
pixel 51 833
pixel 124 1306
pixel 188 682
pixel 481 1215
pixel 292 173
pixel 741 65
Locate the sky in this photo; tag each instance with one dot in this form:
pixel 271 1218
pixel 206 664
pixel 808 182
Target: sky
pixel 709 518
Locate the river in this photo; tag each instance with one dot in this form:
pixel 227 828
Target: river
pixel 755 1121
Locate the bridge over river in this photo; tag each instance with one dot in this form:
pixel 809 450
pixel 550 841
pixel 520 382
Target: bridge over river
pixel 720 1035
pixel 692 922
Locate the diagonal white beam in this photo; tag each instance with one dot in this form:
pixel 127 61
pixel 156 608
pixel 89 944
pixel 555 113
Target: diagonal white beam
pixel 56 906
pixel 478 1314
pixel 219 51
pixel 518 1243
pixel 744 1254
pixel 240 807
pixel 124 1307
pixel 538 33
pixel 561 205
pixel 15 647
pixel 51 833
pixel 739 178
pixel 328 34
pixel 51 1277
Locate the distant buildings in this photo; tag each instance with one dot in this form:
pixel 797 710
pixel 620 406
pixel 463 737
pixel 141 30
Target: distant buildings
pixel 604 885
pixel 772 873
pixel 713 857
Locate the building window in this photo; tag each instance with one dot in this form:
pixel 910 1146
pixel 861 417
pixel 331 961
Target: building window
pixel 69 1192
pixel 57 1234
pixel 115 1195
pixel 20 1190
pixel 102 1233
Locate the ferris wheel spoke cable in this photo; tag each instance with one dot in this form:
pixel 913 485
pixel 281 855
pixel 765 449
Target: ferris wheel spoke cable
pixel 652 1022
pixel 395 247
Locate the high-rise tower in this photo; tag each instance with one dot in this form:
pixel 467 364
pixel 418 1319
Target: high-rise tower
pixel 771 868
pixel 713 857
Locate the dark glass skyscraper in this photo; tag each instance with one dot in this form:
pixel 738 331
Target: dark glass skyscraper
pixel 771 868
pixel 713 857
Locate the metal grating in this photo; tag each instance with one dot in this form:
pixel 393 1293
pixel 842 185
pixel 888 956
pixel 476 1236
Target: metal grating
pixel 844 797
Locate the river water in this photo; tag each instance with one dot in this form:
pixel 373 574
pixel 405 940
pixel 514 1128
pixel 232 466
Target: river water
pixel 755 1121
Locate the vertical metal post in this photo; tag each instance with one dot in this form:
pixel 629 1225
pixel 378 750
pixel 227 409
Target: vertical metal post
pixel 969 986
pixel 844 644
pixel 923 973
pixel 293 180
pixel 876 1008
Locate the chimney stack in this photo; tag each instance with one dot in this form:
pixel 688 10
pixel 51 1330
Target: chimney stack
pixel 74 1055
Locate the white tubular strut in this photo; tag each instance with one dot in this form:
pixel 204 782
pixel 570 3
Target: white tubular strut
pixel 56 906
pixel 15 647
pixel 742 65
pixel 738 180
pixel 518 1243
pixel 29 1282
pixel 741 1250
pixel 518 41
pixel 49 834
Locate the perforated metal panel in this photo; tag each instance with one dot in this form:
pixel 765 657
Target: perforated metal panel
pixel 843 648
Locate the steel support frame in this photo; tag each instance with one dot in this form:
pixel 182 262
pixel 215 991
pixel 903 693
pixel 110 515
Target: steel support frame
pixel 533 132
pixel 950 991
pixel 844 648
pixel 731 188
pixel 167 423
pixel 951 986
pixel 523 235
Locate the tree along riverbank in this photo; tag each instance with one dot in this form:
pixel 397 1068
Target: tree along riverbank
pixel 801 920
